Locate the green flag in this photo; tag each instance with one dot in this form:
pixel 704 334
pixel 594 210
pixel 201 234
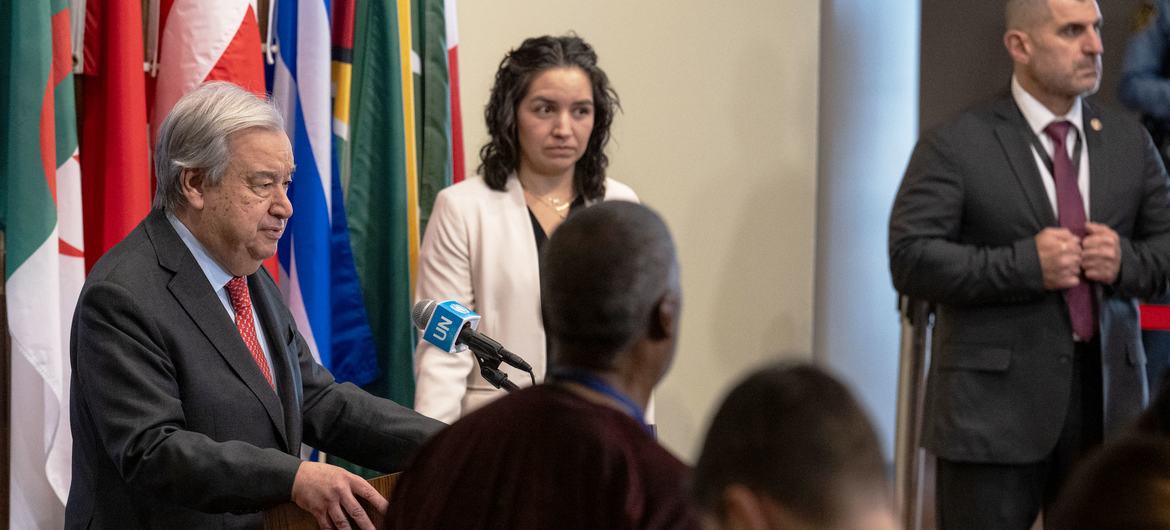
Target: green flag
pixel 433 114
pixel 40 213
pixel 381 203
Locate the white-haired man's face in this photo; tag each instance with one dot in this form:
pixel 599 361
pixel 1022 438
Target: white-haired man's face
pixel 241 219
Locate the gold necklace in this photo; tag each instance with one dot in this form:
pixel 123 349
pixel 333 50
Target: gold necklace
pixel 559 206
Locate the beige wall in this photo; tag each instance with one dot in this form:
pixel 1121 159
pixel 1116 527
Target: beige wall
pixel 719 135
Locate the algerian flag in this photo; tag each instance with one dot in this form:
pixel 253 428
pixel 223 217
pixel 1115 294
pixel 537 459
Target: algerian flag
pixel 40 212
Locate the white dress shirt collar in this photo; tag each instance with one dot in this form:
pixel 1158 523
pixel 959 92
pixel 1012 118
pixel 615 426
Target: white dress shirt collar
pixel 1038 116
pixel 216 274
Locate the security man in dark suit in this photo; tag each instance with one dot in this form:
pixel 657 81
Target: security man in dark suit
pixel 1033 222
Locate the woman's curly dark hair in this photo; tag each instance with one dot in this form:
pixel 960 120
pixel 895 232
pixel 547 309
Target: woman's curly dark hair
pixel 501 155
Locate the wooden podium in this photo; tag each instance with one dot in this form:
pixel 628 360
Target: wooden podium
pixel 289 516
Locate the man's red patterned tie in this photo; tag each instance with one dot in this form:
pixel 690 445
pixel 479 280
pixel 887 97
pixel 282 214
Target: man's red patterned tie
pixel 237 289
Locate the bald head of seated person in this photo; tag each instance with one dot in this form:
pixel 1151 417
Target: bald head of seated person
pixel 192 388
pixel 790 448
pixel 574 452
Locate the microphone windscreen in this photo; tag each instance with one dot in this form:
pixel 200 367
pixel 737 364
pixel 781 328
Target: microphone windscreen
pixel 421 313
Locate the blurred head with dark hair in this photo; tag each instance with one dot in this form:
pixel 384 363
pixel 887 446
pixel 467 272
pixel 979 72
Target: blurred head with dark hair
pixel 1125 485
pixel 791 448
pixel 517 122
pixel 610 293
pixel 1156 418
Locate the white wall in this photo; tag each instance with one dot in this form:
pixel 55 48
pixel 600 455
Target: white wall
pixel 868 126
pixel 719 134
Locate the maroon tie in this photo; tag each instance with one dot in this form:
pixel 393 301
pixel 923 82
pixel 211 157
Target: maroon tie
pixel 1071 214
pixel 237 289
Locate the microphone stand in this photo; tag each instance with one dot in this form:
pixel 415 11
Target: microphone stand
pixel 489 368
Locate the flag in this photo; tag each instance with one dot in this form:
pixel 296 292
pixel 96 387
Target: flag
pixel 342 54
pixel 382 198
pixel 434 114
pixel 116 166
pixel 201 41
pixel 316 262
pixel 452 27
pixel 40 213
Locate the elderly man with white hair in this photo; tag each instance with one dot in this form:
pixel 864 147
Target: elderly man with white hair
pixel 192 388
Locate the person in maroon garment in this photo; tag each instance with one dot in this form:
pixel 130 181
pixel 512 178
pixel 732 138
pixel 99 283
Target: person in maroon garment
pixel 574 452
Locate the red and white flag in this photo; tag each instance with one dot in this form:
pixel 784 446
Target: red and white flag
pixel 114 134
pixel 201 41
pixel 457 173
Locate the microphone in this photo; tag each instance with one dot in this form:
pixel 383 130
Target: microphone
pixel 450 326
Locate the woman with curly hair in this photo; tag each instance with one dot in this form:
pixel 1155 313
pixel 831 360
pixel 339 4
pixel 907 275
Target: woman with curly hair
pixel 548 120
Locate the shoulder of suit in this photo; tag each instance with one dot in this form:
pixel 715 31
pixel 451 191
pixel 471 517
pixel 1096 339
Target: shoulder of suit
pixel 127 260
pixel 472 189
pixel 976 121
pixel 615 190
pixel 1110 114
pixel 475 191
pixel 1114 123
pixel 987 115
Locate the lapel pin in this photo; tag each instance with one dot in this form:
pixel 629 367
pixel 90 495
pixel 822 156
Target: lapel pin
pixel 1095 124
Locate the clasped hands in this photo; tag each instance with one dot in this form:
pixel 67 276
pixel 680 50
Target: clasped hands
pixel 1064 256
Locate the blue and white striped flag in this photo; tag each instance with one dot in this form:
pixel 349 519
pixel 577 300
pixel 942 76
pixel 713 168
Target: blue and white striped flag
pixel 318 277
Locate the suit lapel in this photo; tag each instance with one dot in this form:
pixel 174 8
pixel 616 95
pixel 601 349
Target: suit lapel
pixel 519 248
pixel 276 328
pixel 1100 165
pixel 1012 131
pixel 191 288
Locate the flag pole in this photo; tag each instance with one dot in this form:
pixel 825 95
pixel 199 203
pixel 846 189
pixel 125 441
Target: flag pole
pixel 77 32
pixel 913 468
pixel 5 393
pixel 150 46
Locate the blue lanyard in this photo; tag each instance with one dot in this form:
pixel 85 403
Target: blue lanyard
pixel 597 384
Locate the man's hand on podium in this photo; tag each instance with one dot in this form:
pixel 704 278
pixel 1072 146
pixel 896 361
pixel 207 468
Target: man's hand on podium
pixel 331 494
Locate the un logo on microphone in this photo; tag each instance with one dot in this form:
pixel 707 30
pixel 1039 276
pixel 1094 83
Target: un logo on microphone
pixel 448 319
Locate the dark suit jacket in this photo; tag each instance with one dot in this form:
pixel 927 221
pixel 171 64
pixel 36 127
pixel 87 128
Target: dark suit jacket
pixel 173 423
pixel 961 236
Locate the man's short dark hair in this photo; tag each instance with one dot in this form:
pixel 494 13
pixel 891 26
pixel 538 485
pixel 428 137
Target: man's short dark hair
pixel 795 434
pixel 604 271
pixel 1024 14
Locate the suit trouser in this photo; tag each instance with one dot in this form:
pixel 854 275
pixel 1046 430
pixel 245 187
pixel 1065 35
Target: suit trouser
pixel 974 496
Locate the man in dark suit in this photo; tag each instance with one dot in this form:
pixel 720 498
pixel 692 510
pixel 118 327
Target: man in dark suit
pixel 192 388
pixel 1032 222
